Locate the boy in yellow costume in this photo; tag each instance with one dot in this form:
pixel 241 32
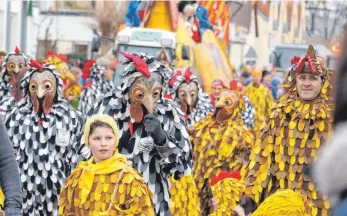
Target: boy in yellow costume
pixel 260 97
pixel 290 138
pixel 106 184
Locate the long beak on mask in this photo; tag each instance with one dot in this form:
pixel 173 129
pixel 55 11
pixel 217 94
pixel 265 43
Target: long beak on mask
pixel 189 100
pixel 16 69
pixel 40 92
pixel 70 76
pixel 149 103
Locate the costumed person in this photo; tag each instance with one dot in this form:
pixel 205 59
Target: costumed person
pixel 283 202
pixel 163 58
pixel 331 161
pixel 290 138
pixel 248 112
pixel 73 91
pixel 152 129
pixel 10 192
pixel 59 61
pixel 14 62
pixel 99 85
pixel 227 190
pixel 220 142
pixel 44 130
pixel 260 97
pixel 7 103
pixel 186 91
pixel 2 58
pixel 216 89
pixel 106 184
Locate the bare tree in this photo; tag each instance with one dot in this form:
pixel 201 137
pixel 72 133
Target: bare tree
pixel 47 43
pixel 325 17
pixel 109 19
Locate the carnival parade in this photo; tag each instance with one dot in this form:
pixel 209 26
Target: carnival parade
pixel 173 108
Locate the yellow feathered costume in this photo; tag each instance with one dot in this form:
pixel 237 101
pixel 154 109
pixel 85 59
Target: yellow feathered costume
pixel 110 187
pixel 283 203
pixel 184 197
pixel 289 140
pixel 261 99
pixel 226 194
pixel 220 142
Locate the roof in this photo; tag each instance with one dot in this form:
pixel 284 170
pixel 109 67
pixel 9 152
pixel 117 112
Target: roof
pixel 251 53
pixel 241 17
pixel 264 8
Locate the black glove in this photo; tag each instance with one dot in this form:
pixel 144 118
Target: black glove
pixel 153 127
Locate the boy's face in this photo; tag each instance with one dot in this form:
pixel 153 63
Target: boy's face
pixel 102 143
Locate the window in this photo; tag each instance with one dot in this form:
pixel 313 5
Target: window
pixel 81 50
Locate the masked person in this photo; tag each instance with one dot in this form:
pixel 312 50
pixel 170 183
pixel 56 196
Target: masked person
pixel 105 184
pixel 220 142
pixel 13 63
pixel 290 138
pixel 99 85
pixel 260 97
pixel 186 91
pixel 152 129
pixel 44 130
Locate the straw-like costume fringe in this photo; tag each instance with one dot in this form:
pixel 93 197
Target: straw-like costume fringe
pixel 262 101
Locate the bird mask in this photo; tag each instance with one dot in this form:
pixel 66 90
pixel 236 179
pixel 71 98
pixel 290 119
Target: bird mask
pixel 227 106
pixel 142 84
pixel 188 95
pixel 13 64
pixel 42 88
pixel 187 91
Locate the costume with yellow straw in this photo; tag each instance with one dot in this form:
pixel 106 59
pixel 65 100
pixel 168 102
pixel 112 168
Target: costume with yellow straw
pixel 261 99
pixel 220 142
pixel 289 140
pixel 109 187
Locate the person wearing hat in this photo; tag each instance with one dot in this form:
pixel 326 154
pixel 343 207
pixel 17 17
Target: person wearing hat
pixel 290 138
pixel 260 97
pixel 105 184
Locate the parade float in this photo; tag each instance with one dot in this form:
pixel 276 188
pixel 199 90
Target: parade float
pixel 163 27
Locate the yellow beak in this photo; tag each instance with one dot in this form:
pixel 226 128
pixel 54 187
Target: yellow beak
pixel 40 92
pixel 149 104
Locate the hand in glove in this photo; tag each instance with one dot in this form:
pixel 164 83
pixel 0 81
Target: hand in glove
pixel 153 127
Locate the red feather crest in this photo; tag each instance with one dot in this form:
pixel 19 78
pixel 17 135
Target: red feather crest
pixel 223 175
pixel 86 69
pixel 140 65
pixel 295 60
pixel 174 77
pixel 187 75
pixel 16 50
pixel 35 64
